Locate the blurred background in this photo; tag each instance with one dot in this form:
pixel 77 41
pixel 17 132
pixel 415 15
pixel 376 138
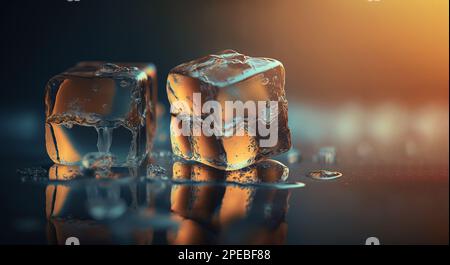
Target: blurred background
pixel 358 71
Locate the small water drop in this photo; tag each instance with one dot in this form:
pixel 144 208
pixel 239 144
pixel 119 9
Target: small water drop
pixel 324 174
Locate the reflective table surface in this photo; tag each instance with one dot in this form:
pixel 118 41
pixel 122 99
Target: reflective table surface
pixel 398 201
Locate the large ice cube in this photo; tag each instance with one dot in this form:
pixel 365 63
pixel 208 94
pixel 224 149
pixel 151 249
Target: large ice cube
pixel 229 79
pixel 101 108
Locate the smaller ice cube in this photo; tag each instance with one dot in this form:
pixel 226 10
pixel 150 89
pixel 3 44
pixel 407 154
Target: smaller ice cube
pixel 99 108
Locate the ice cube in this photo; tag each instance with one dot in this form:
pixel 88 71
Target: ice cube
pixel 229 80
pixel 101 108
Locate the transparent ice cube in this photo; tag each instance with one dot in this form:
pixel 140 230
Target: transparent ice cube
pixel 103 108
pixel 228 77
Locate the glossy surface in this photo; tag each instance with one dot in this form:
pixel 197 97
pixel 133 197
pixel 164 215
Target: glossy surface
pixel 398 201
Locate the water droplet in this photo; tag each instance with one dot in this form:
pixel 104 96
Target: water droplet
pixel 324 174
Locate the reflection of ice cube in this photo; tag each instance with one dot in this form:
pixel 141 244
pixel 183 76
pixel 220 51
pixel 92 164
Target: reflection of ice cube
pixel 235 207
pixel 103 108
pixel 229 77
pixel 264 172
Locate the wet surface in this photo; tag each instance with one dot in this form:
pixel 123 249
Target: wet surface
pixel 399 202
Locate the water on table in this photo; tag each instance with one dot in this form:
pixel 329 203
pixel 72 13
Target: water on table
pixel 188 204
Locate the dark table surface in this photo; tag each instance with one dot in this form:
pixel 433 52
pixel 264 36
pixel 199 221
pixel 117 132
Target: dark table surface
pixel 399 201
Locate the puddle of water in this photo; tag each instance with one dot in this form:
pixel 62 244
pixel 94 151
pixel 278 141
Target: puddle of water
pixel 324 174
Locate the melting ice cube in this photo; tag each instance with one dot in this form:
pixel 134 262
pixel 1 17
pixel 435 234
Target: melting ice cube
pixel 228 79
pixel 101 108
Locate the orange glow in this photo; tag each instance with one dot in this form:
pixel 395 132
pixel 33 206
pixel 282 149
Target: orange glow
pixel 333 51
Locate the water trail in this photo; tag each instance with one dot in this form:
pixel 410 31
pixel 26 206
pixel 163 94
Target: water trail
pixel 104 139
pixel 132 154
